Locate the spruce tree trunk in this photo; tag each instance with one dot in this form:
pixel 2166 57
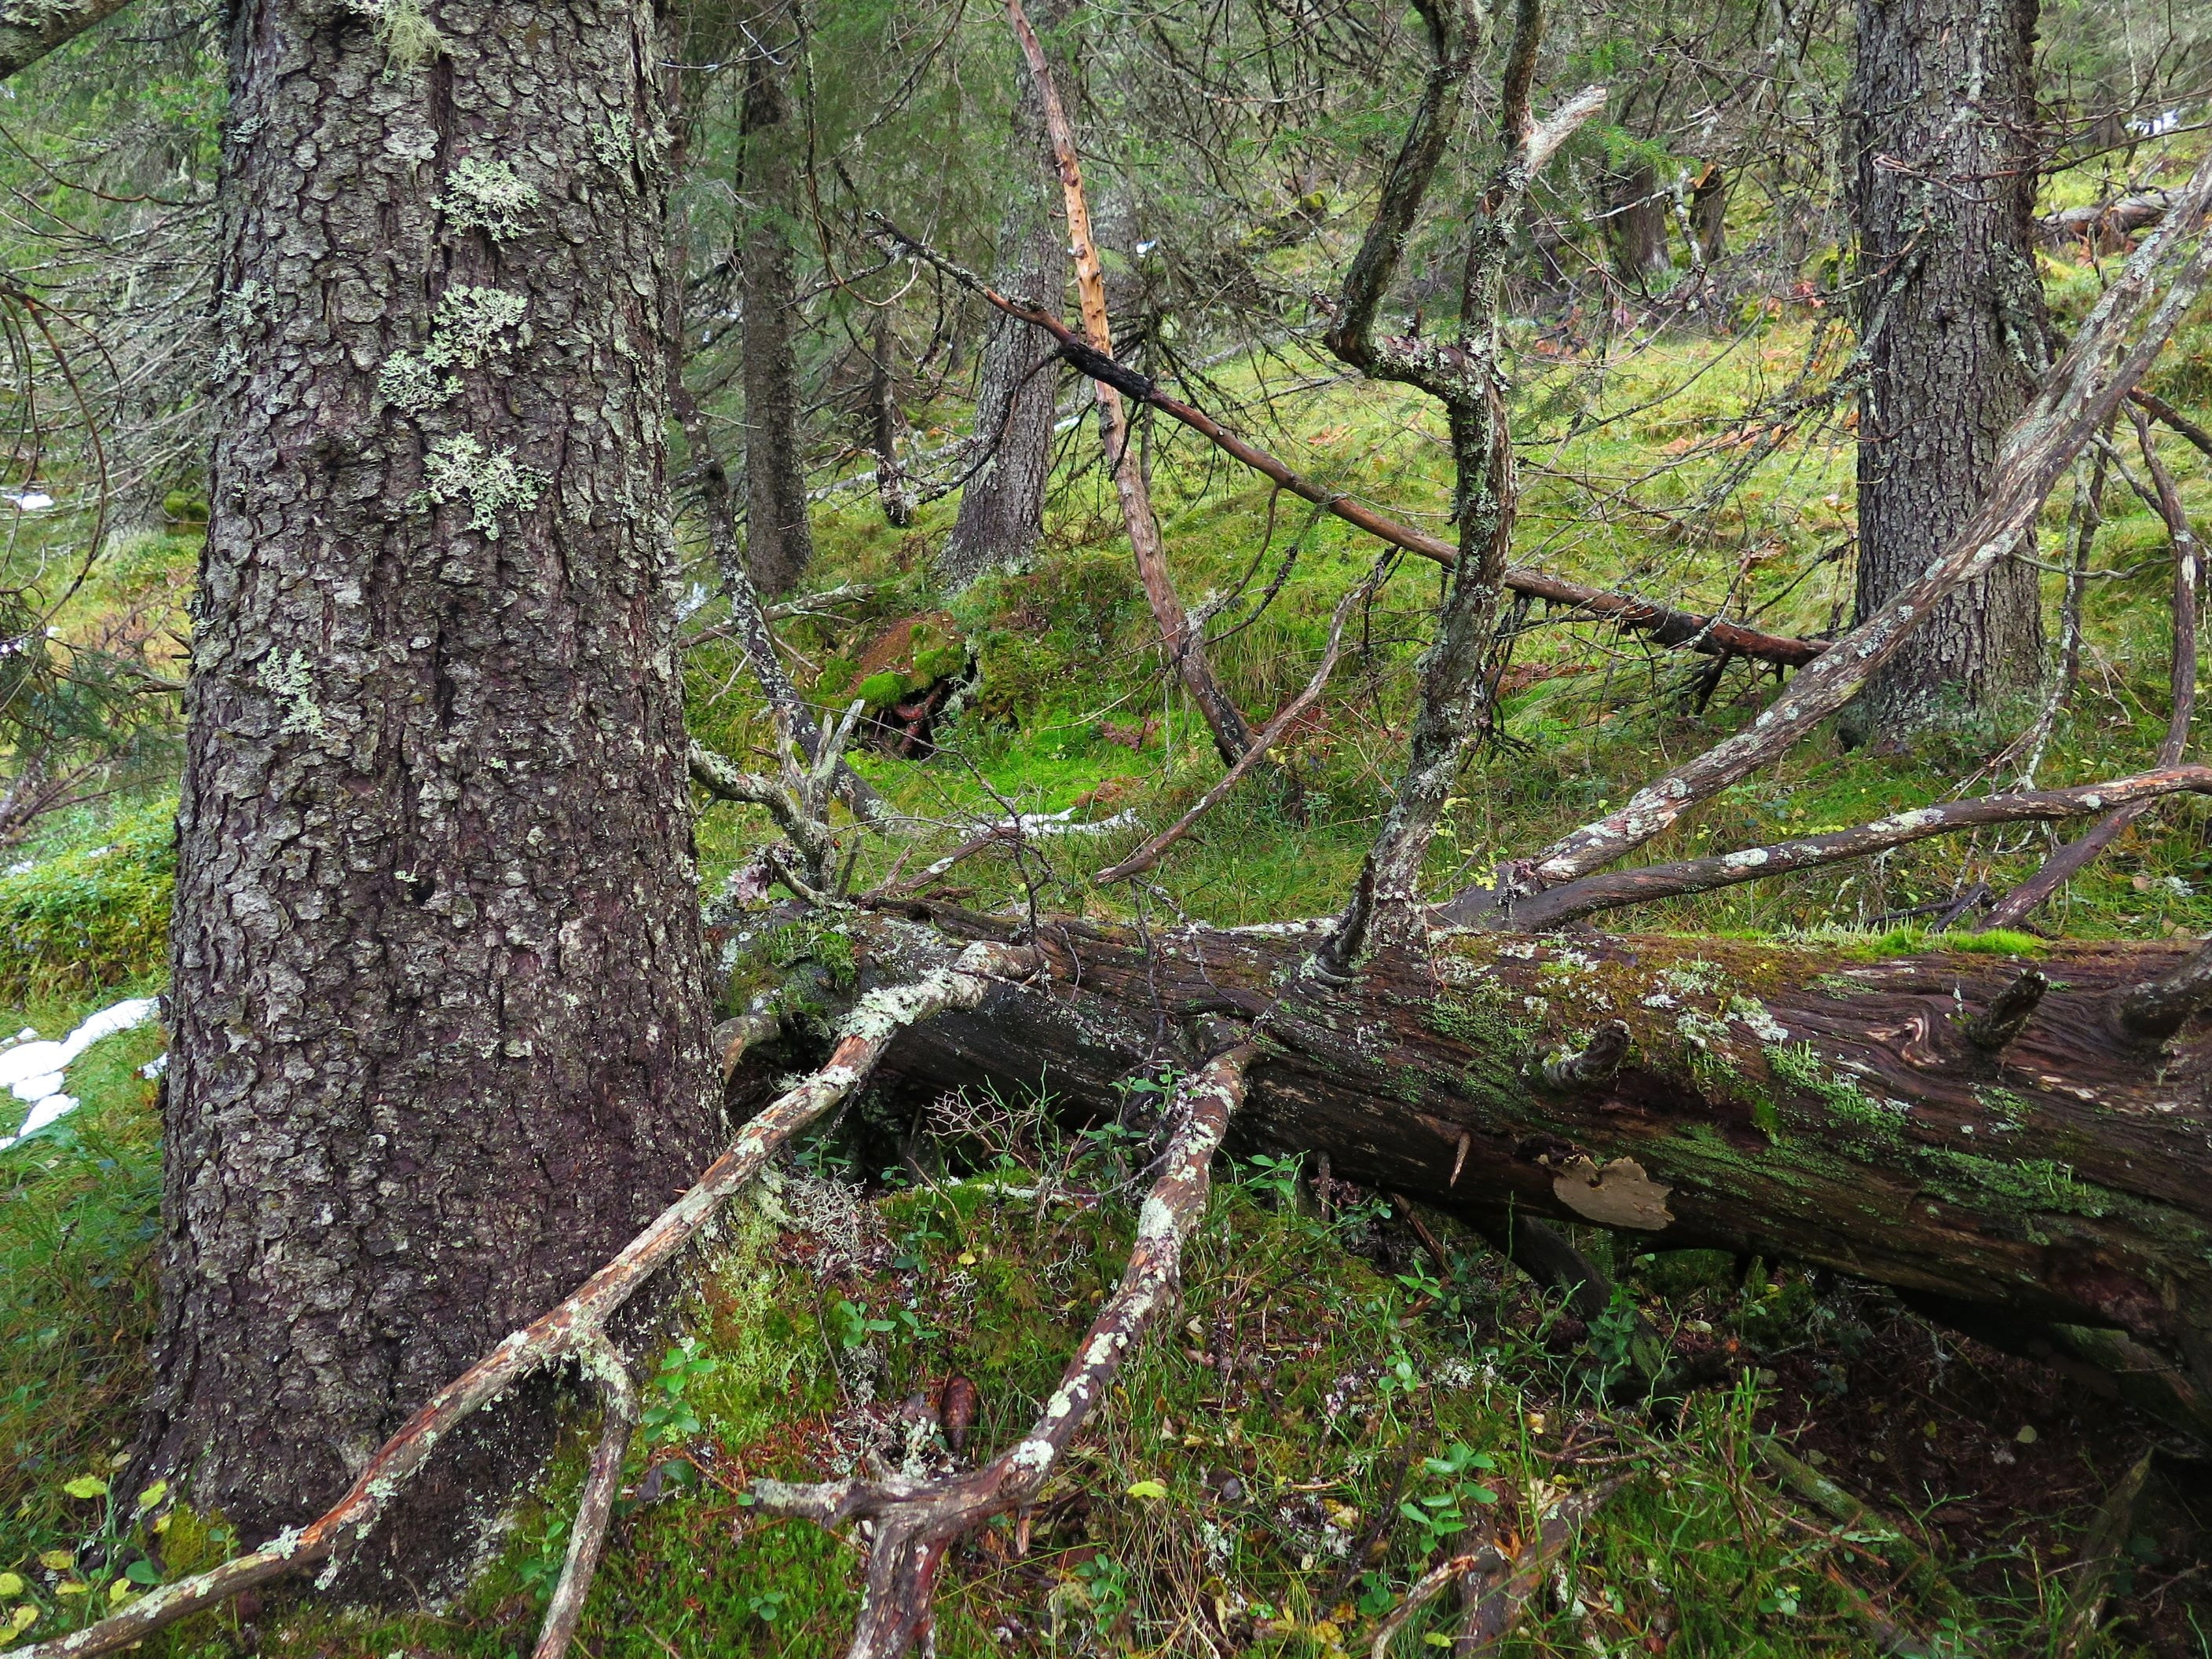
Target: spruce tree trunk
pixel 780 543
pixel 438 1018
pixel 1002 507
pixel 1941 172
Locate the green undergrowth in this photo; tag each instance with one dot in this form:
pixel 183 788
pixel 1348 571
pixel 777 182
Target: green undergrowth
pixel 1327 1411
pixel 79 1206
pixel 1066 712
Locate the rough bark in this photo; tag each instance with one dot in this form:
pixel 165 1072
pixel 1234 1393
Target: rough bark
pixel 1783 1099
pixel 1635 221
pixel 29 33
pixel 439 1025
pixel 1941 166
pixel 779 543
pixel 1002 505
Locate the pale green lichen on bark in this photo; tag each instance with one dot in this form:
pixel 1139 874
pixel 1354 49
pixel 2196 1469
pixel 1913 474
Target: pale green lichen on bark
pixel 473 325
pixel 487 195
pixel 291 681
pixel 459 468
pixel 405 32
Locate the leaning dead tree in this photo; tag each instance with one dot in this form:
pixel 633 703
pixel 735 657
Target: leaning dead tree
pixel 2021 1144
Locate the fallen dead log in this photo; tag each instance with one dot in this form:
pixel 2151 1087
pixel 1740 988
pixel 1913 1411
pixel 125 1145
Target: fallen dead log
pixel 1789 1099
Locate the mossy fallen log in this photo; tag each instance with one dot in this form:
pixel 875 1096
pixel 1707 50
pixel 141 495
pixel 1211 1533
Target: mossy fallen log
pixel 1819 1100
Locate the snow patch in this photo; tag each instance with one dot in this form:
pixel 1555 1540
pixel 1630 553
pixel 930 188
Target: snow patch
pixel 35 1070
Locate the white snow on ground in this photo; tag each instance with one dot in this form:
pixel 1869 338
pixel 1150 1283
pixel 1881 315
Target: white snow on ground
pixel 35 1070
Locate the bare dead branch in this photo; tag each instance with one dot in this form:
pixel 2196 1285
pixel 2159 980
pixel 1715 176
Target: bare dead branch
pixel 1153 850
pixel 1508 1581
pixel 2064 865
pixel 1553 907
pixel 1713 635
pixel 2077 395
pixel 571 1330
pixel 1185 647
pixel 2159 409
pixel 913 1523
pixel 587 1535
pixel 1492 1617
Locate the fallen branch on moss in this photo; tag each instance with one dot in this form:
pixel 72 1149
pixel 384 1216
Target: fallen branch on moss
pixel 575 1331
pixel 1714 636
pixel 1554 907
pixel 2114 348
pixel 912 1523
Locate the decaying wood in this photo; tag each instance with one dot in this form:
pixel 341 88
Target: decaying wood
pixel 1506 1582
pixel 1776 1099
pixel 1185 647
pixel 2102 1552
pixel 574 1331
pixel 913 1523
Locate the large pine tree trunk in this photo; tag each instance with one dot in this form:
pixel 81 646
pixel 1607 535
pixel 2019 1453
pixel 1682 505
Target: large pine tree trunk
pixel 438 1014
pixel 780 543
pixel 1941 174
pixel 1776 1098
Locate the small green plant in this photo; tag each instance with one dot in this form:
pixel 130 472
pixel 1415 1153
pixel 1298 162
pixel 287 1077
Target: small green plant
pixel 1447 1508
pixel 670 1415
pixel 1276 1176
pixel 849 1326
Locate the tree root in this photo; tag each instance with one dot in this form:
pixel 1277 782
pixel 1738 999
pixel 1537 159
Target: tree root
pixel 912 1523
pixel 576 1330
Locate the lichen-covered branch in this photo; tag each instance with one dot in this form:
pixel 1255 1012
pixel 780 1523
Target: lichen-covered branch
pixel 913 1522
pixel 1554 907
pixel 2113 351
pixel 2064 865
pixel 576 1329
pixel 800 803
pixel 749 620
pixel 1467 377
pixel 28 32
pixel 587 1536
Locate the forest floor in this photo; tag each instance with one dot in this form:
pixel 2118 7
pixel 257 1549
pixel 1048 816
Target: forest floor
pixel 1334 1398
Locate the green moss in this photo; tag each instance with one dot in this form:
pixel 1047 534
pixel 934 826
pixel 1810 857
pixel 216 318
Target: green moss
pixel 880 691
pixel 1799 1065
pixel 85 919
pixel 2039 1184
